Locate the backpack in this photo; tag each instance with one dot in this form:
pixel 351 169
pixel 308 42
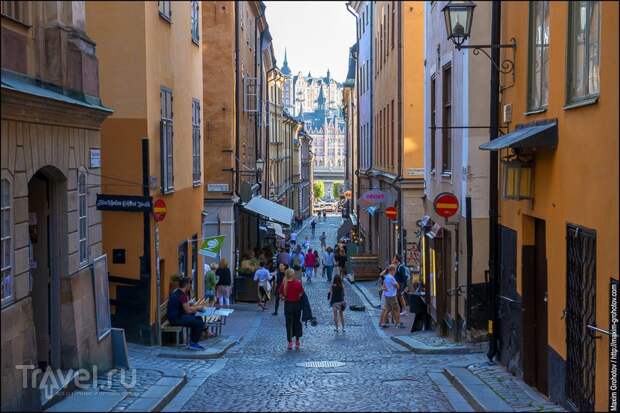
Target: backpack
pixel 407 273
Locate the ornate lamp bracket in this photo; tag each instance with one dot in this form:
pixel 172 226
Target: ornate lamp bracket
pixel 507 66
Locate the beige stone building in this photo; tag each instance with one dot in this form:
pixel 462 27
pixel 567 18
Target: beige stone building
pixel 50 166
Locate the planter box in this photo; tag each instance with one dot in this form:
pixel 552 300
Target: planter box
pixel 365 267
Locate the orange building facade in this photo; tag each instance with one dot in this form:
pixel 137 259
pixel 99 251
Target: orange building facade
pixel 559 197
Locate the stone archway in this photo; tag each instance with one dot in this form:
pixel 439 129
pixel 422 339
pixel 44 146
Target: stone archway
pixel 47 190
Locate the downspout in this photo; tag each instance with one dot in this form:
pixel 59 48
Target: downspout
pixel 494 263
pixel 237 110
pixel 400 130
pixel 355 168
pixel 257 118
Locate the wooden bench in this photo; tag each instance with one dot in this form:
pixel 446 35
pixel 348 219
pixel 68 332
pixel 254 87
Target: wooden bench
pixel 166 327
pixel 215 322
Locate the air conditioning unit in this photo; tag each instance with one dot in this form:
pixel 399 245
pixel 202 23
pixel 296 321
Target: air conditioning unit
pixel 508 113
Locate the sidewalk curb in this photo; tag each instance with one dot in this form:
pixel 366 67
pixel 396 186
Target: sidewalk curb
pixel 416 346
pixel 214 352
pixel 477 393
pixel 191 387
pixel 363 294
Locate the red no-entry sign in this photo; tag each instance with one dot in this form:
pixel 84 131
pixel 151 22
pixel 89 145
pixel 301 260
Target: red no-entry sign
pixel 159 210
pixel 446 204
pixel 390 212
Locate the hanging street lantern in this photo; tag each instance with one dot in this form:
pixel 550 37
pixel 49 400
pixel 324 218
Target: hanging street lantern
pixel 458 16
pixel 518 179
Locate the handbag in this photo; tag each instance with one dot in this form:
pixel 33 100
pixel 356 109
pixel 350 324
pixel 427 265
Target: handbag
pixel 343 305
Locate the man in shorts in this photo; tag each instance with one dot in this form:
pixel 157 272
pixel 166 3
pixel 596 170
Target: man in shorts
pixel 390 292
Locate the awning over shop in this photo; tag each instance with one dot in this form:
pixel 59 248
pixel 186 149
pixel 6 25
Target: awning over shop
pixel 270 210
pixel 528 136
pixel 277 228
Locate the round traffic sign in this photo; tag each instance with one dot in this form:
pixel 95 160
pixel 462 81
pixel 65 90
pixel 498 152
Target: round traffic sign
pixel 446 204
pixel 390 212
pixel 159 210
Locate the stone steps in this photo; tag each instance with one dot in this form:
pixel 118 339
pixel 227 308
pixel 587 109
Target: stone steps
pixel 477 393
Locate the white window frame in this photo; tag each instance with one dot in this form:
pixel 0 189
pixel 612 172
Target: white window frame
pixel 195 21
pixel 196 152
pixel 167 141
pixel 82 188
pixel 165 10
pixel 7 267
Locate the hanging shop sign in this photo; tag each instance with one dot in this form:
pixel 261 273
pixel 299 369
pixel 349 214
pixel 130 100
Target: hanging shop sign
pixel 446 204
pixel 159 210
pixel 124 203
pixel 391 213
pixel 211 246
pixel 375 198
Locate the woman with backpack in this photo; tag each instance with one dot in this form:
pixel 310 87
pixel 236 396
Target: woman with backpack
pixel 336 300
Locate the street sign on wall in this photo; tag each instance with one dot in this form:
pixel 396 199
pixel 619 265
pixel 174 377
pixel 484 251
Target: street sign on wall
pixel 391 213
pixel 123 203
pixel 446 204
pixel 159 210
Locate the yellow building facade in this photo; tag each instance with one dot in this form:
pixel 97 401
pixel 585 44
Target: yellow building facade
pixel 559 221
pixel 151 73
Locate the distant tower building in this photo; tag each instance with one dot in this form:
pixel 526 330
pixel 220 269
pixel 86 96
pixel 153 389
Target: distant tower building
pixel 288 98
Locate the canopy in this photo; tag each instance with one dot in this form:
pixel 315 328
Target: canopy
pixel 270 210
pixel 529 136
pixel 277 228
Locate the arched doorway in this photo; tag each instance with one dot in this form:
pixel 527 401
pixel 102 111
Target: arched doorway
pixel 47 213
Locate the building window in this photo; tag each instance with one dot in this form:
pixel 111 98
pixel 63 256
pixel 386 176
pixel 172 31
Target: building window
pixel 165 10
pixel 83 217
pixel 392 135
pixel 393 20
pixel 195 261
pixel 446 132
pixel 196 172
pixel 15 10
pixel 433 124
pixel 539 55
pixel 583 50
pixel 183 258
pixel 166 140
pixel 195 22
pixel 6 240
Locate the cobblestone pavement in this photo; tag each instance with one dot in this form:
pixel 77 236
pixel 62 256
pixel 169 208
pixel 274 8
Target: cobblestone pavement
pixel 377 375
pixel 517 394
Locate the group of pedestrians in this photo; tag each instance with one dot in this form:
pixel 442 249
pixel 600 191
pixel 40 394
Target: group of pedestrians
pixel 218 283
pixel 393 286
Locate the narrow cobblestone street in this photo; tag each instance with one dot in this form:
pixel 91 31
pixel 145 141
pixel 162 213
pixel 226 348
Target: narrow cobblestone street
pixel 262 375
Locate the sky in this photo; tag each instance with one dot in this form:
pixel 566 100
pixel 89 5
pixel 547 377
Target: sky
pixel 316 34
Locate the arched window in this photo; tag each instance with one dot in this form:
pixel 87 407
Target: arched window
pixel 6 241
pixel 83 217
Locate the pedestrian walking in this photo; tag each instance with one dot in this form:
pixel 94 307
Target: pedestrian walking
pixel 292 291
pixel 337 301
pixel 306 244
pixel 402 277
pixel 263 277
pixel 224 283
pixel 297 257
pixel 390 290
pixel 309 265
pixel 317 262
pixel 323 239
pixel 210 282
pixel 284 257
pixel 328 262
pixel 313 226
pixel 279 280
pixel 293 239
pixel 324 215
pixel 341 259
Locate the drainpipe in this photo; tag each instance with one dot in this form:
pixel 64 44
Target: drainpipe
pixel 400 129
pixel 355 172
pixel 237 109
pixel 494 264
pixel 258 54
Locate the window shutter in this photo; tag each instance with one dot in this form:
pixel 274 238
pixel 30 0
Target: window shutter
pixel 162 154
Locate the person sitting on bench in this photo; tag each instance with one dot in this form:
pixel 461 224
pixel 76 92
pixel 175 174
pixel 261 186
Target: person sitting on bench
pixel 181 313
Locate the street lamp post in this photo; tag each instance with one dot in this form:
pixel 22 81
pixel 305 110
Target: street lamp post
pixel 458 16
